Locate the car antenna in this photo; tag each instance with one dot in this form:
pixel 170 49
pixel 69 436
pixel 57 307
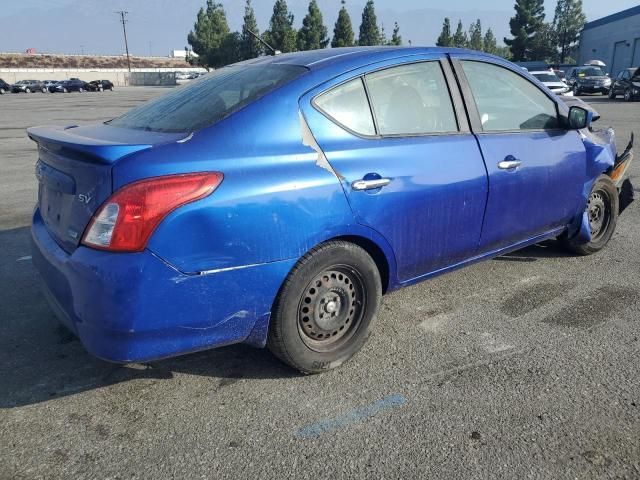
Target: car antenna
pixel 257 37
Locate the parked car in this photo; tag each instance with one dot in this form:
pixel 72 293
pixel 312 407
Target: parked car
pixel 588 79
pixel 561 75
pixel 100 85
pixel 48 83
pixel 627 84
pixel 72 85
pixel 272 202
pixel 28 86
pixel 4 87
pixel 550 80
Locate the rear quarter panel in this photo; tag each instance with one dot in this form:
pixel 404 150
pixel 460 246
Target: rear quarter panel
pixel 275 202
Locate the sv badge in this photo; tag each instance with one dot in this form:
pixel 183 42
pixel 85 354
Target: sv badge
pixel 84 198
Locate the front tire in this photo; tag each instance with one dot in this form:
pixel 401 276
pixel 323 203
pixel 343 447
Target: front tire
pixel 628 96
pixel 576 90
pixel 602 208
pixel 326 308
pixel 612 94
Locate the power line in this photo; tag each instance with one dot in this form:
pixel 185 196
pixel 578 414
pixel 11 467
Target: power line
pixel 122 14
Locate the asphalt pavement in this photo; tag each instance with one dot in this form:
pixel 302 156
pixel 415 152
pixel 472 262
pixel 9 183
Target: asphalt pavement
pixel 525 366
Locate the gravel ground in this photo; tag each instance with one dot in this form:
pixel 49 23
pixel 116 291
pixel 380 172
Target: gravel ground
pixel 525 366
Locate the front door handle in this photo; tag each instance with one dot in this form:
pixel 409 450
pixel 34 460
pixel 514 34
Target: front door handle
pixel 509 163
pixel 360 185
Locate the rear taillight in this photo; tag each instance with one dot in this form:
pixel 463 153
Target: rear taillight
pixel 125 222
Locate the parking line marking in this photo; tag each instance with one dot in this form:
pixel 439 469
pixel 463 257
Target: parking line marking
pixel 353 416
pixel 22 259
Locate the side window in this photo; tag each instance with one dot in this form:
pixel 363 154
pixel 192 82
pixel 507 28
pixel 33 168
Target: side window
pixel 620 75
pixel 411 99
pixel 506 101
pixel 626 74
pixel 347 105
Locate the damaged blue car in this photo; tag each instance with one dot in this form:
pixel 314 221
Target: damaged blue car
pixel 273 202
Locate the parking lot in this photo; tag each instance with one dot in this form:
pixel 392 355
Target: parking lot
pixel 525 366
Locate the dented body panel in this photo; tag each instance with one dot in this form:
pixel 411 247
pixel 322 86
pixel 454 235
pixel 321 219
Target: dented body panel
pixel 212 268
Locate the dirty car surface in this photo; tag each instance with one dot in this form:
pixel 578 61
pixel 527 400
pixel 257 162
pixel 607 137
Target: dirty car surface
pixel 274 201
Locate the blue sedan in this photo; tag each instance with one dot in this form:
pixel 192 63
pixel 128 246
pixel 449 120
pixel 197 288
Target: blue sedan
pixel 273 202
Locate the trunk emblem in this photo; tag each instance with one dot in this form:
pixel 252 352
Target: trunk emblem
pixel 84 198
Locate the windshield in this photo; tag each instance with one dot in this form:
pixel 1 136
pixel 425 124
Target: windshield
pixel 547 77
pixel 209 99
pixel 591 72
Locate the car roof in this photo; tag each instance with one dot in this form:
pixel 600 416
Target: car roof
pixel 355 56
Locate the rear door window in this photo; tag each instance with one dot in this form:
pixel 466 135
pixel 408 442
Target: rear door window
pixel 411 100
pixel 208 100
pixel 348 106
pixel 506 101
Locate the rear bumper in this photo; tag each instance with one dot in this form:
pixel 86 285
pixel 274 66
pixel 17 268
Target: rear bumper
pixel 136 307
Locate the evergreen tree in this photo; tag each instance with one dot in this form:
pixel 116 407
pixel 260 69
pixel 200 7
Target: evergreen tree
pixel 567 24
pixel 209 34
pixel 475 36
pixel 460 37
pixel 489 43
pixel 383 35
pixel 250 47
pixel 524 25
pixel 313 34
pixel 369 32
pixel 396 38
pixel 281 34
pixel 445 39
pixel 343 31
pixel 543 44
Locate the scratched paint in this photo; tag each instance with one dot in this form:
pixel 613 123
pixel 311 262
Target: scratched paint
pixel 354 416
pixel 24 259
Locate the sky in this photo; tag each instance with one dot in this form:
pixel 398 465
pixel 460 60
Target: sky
pixel 156 27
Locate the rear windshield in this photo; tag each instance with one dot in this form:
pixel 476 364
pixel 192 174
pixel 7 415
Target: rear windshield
pixel 209 99
pixel 547 77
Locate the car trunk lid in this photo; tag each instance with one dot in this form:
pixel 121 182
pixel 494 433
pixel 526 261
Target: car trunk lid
pixel 74 172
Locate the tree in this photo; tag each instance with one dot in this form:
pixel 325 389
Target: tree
pixel 396 38
pixel 313 34
pixel 209 35
pixel 383 35
pixel 567 24
pixel 445 39
pixel 369 32
pixel 475 36
pixel 343 31
pixel 543 44
pixel 460 37
pixel 489 43
pixel 250 46
pixel 524 25
pixel 281 34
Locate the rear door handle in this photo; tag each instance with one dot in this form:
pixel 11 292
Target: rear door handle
pixel 360 185
pixel 509 163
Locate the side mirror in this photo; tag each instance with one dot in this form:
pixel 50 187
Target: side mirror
pixel 579 118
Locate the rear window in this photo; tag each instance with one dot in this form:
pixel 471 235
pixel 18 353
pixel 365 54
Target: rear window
pixel 547 77
pixel 209 99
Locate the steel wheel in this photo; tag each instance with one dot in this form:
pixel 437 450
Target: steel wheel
pixel 627 95
pixel 331 308
pixel 599 211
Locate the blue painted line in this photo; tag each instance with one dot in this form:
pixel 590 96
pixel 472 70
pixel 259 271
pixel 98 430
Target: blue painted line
pixel 354 416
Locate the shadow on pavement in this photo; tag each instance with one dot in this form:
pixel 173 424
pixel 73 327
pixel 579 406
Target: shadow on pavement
pixel 41 360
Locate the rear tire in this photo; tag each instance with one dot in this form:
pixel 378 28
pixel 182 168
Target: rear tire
pixel 326 308
pixel 602 209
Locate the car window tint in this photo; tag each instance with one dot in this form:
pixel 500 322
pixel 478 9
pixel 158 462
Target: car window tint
pixel 347 104
pixel 208 100
pixel 506 101
pixel 411 99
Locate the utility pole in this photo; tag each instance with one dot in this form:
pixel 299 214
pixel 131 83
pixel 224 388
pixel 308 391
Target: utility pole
pixel 122 14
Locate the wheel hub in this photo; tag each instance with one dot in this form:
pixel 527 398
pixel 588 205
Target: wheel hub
pixel 330 308
pixel 596 211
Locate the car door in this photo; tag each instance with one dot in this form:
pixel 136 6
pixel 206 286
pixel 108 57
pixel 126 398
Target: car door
pixel 408 163
pixel 535 165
